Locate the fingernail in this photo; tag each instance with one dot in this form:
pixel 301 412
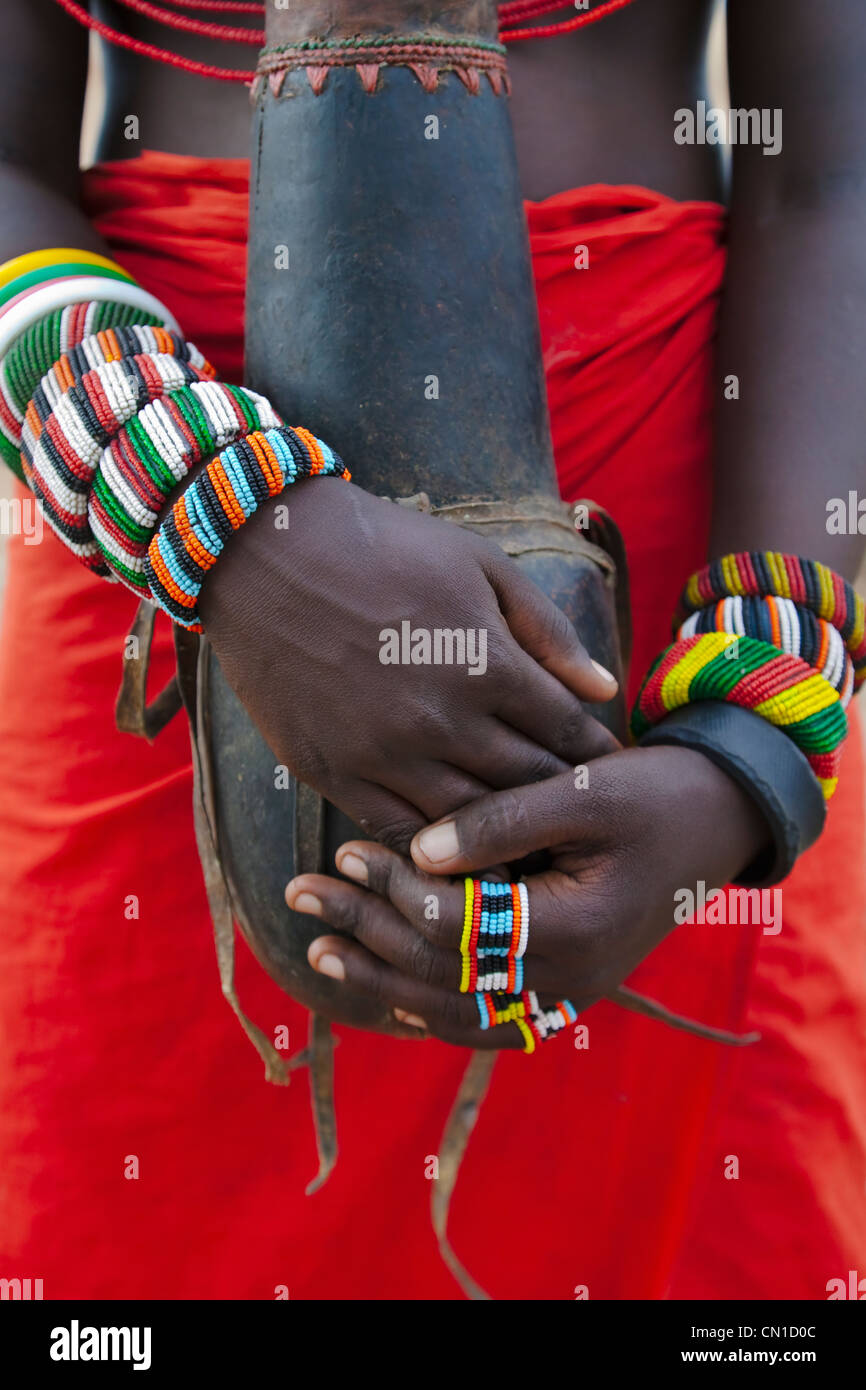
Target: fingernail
pixel 308 902
pixel 605 674
pixel 353 867
pixel 439 842
pixel 331 965
pixel 412 1019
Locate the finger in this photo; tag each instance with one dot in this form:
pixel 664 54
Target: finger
pixel 542 708
pixel 434 787
pixel 566 922
pixel 544 631
pixel 504 757
pixel 430 905
pixel 507 825
pixel 380 813
pixel 450 1016
pixel 434 909
pixel 489 753
pixel 376 924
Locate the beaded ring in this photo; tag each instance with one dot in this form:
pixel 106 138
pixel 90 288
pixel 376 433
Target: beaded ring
pixel 535 1024
pixel 493 944
pixel 495 935
pixel 783 689
pixel 218 502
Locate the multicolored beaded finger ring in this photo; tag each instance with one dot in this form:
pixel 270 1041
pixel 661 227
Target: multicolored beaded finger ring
pixel 492 947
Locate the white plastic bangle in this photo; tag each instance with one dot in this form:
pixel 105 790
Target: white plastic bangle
pixel 60 294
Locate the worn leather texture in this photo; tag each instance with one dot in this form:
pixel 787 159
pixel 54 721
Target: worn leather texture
pixel 764 761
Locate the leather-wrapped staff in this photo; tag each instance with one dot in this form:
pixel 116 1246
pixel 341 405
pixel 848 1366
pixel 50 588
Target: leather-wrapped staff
pixel 390 306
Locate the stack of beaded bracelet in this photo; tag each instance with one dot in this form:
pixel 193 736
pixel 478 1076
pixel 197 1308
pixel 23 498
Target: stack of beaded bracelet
pixel 104 421
pixel 108 422
pixel 777 634
pixel 154 452
pixel 492 947
pixel 49 301
pixel 81 404
pixel 809 585
pixel 113 427
pixel 784 624
pixel 218 502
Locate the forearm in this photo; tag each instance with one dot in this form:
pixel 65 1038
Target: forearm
pixel 43 75
pixel 793 326
pixel 794 334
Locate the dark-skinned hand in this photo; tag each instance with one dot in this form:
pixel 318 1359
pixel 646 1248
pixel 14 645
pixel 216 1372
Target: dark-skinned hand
pixel 295 618
pixel 649 822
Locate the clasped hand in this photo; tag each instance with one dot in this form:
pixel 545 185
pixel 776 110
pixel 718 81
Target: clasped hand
pixel 644 823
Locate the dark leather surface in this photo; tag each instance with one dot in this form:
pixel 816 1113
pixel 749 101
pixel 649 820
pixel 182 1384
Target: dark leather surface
pixel 408 258
pixel 764 761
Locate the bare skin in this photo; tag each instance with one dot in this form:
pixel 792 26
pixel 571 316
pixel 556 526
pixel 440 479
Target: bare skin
pixel 597 106
pixel 569 127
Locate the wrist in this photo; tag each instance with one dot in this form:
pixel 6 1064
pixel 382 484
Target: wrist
pixel 259 556
pixel 728 828
pixel 768 768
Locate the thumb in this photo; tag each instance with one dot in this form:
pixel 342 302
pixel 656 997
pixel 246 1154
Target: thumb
pixel 547 635
pixel 499 828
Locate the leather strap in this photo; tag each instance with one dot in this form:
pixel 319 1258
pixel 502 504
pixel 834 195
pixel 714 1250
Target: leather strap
pixel 132 713
pixel 767 764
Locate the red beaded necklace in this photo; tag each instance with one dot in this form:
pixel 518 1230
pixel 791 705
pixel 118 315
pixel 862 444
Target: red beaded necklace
pixel 533 9
pixel 514 11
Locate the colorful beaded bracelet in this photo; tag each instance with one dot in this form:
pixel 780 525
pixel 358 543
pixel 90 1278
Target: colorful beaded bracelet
pixel 45 325
pixel 57 333
pixel 807 582
pixel 44 295
pixel 75 301
pixel 218 501
pixel 149 456
pixel 745 671
pixel 108 347
pixel 790 626
pixel 42 345
pixel 60 460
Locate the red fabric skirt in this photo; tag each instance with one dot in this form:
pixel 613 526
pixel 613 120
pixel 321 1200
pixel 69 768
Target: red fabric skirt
pixel 614 1161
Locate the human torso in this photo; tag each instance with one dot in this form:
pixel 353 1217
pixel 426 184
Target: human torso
pixel 595 106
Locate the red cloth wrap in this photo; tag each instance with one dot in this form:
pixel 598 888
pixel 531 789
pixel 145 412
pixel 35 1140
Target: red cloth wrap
pixel 117 1043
